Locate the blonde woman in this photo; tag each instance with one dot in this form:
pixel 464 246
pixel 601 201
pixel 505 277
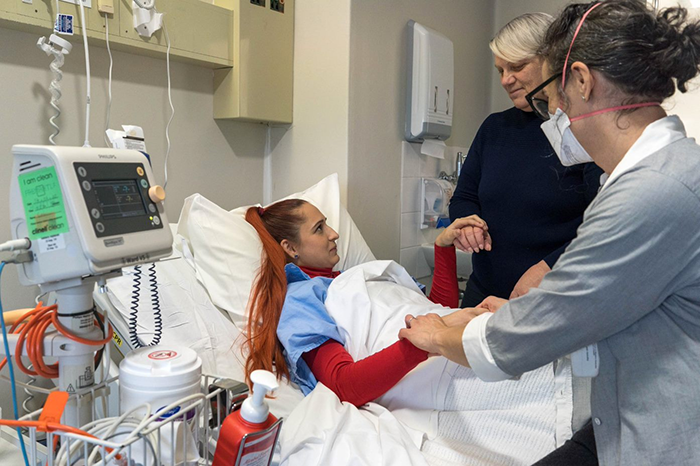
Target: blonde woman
pixel 513 180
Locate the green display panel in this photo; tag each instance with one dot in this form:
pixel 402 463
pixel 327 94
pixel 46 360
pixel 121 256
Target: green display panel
pixel 43 203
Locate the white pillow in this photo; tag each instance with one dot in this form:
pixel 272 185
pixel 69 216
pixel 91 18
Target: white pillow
pixel 227 249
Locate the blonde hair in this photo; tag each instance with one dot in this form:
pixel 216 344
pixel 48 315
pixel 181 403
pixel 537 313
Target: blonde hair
pixel 521 38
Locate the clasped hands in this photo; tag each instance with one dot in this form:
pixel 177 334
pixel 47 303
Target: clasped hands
pixel 443 335
pixel 470 234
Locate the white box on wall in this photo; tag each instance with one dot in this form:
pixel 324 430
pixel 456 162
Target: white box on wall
pixel 430 89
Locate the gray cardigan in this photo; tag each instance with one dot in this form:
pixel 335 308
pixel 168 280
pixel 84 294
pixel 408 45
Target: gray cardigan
pixel 631 282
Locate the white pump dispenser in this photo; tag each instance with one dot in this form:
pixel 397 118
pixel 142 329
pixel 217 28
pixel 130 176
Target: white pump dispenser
pixel 254 408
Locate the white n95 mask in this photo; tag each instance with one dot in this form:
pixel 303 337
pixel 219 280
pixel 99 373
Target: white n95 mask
pixel 565 145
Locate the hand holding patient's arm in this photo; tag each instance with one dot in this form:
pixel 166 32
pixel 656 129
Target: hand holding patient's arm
pixel 474 239
pixel 431 334
pixel 468 234
pixel 463 316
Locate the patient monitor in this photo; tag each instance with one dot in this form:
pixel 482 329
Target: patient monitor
pixel 86 212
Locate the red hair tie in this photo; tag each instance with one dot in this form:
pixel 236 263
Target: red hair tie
pixel 261 211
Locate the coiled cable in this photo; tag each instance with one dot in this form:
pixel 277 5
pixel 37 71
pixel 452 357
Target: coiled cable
pixel 134 314
pixel 58 48
pixel 55 89
pixel 55 86
pixel 28 392
pixel 155 304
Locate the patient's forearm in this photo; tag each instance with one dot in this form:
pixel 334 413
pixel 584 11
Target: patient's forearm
pixel 365 380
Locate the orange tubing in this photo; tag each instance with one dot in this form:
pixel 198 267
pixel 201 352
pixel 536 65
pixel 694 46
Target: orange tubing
pixel 32 327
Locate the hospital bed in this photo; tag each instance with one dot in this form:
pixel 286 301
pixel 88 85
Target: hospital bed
pixel 203 290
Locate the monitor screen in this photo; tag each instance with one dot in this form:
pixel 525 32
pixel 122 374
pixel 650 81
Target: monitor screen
pixel 119 198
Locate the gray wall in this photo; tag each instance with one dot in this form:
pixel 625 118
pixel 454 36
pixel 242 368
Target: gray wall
pixel 223 161
pixel 377 100
pixel 316 144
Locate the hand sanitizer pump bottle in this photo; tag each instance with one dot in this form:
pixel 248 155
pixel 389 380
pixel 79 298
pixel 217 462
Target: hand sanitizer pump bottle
pixel 248 436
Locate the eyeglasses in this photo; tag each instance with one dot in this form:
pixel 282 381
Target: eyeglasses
pixel 540 106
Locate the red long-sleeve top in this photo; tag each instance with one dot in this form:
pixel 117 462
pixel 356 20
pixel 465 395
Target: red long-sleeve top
pixel 359 382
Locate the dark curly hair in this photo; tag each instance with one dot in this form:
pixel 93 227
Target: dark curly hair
pixel 645 54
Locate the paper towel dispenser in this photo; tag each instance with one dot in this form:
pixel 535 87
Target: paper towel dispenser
pixel 430 89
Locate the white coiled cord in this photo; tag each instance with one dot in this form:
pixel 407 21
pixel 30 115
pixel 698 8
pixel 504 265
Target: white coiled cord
pixel 58 48
pixel 55 89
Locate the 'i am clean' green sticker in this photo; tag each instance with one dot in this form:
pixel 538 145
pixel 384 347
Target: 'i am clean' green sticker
pixel 43 203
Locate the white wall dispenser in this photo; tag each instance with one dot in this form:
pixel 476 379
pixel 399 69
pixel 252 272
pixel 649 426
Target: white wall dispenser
pixel 430 89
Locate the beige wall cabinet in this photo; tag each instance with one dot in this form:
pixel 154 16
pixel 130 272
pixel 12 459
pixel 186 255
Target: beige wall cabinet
pixel 249 44
pixel 200 33
pixel 259 87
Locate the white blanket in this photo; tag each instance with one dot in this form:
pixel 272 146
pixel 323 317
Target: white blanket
pixel 443 408
pixel 324 431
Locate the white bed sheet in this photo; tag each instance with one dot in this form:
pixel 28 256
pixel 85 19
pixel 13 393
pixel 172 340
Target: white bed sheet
pixel 459 419
pixel 318 429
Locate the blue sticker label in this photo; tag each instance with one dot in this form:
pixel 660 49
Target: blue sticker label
pixel 64 24
pixel 189 415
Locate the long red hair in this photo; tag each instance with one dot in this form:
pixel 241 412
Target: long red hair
pixel 273 224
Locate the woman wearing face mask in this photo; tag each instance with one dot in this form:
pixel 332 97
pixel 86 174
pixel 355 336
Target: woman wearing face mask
pixel 630 280
pixel 513 180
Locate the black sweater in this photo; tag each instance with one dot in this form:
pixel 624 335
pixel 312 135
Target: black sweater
pixel 532 204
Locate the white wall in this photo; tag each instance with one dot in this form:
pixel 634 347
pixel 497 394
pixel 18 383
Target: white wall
pixel 378 47
pixel 221 160
pixel 686 105
pixel 316 144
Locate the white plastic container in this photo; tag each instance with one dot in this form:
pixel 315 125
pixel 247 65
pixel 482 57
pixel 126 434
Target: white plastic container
pixel 159 375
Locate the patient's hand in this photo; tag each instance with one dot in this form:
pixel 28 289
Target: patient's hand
pixel 463 316
pixel 492 303
pixel 430 333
